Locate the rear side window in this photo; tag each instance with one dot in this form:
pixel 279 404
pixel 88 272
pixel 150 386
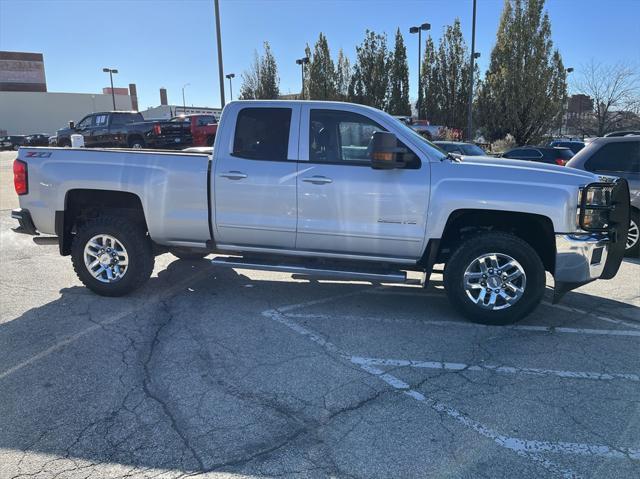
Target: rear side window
pixel 206 120
pixel 262 134
pixel 623 157
pixel 565 154
pixel 124 118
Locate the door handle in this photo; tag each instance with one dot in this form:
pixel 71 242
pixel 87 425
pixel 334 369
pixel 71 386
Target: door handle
pixel 233 175
pixel 318 180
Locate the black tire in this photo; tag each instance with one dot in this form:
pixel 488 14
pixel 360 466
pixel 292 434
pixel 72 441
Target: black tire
pixel 137 244
pixel 634 250
pixel 187 254
pixel 64 143
pixel 504 244
pixel 211 140
pixel 136 142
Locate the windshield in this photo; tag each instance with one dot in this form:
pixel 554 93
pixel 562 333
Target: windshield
pixel 415 134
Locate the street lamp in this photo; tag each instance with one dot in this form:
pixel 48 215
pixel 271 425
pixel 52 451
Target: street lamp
pixel 111 71
pixel 302 62
pixel 474 56
pixel 418 30
pixel 184 104
pixel 230 76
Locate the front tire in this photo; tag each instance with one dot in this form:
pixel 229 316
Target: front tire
pixel 495 278
pixel 112 256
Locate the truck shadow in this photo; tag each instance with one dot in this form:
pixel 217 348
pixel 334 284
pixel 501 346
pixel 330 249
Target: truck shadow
pixel 158 379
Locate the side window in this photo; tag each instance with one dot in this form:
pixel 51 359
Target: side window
pixel 620 156
pixel 101 120
pixel 262 133
pixel 86 122
pixel 206 120
pixel 122 118
pixel 340 136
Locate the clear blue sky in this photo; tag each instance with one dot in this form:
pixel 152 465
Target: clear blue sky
pixel 167 43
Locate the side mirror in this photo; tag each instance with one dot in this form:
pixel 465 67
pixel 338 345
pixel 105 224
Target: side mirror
pixel 72 125
pixel 385 151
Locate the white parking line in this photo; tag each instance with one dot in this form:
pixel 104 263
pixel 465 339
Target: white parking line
pixel 448 366
pixel 385 291
pixel 432 322
pixel 530 449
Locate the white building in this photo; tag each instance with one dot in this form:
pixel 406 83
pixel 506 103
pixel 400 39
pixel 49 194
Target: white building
pixel 23 113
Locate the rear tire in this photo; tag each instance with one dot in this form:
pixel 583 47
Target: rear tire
pixel 136 143
pixel 211 140
pixel 134 249
pixel 633 236
pixel 515 286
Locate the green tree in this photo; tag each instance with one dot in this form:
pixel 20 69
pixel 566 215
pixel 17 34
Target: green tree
pixel 370 80
pixel 524 89
pixel 261 81
pixel 322 73
pixel 399 79
pixel 445 79
pixel 343 76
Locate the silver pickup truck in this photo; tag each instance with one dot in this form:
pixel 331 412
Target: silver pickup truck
pixel 333 190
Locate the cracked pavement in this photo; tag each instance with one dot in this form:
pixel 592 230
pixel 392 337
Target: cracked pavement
pixel 208 372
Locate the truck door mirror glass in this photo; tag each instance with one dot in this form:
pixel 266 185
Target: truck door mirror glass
pixel 385 153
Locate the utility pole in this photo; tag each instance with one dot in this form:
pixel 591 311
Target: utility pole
pixel 302 62
pixel 230 76
pixel 220 66
pixel 184 104
pixel 472 65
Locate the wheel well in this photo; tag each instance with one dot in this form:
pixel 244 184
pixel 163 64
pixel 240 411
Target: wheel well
pixel 81 205
pixel 134 136
pixel 537 230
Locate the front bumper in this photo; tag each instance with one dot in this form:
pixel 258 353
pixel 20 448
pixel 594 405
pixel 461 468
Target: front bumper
pixel 580 258
pixel 25 223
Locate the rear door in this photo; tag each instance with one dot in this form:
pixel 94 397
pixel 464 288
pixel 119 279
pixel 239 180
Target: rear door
pixel 85 128
pixel 345 206
pixel 255 177
pixel 100 130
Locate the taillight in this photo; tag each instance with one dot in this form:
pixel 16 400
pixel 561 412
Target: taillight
pixel 561 161
pixel 156 129
pixel 20 179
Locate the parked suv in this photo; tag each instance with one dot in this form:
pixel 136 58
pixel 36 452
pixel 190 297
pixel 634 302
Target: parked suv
pixel 466 149
pixel 574 145
pixel 542 154
pixel 617 156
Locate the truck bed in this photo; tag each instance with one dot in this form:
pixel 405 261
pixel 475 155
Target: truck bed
pixel 172 187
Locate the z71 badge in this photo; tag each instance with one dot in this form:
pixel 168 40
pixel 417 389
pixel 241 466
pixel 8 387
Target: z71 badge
pixel 38 154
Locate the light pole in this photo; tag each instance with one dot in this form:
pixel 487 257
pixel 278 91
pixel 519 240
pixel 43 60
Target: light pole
pixel 111 71
pixel 184 104
pixel 219 40
pixel 418 30
pixel 302 62
pixel 474 55
pixel 230 76
pixel 562 120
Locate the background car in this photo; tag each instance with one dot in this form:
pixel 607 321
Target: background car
pixel 622 133
pixel 574 145
pixel 461 148
pixel 542 154
pixel 11 142
pixel 38 139
pixel 617 156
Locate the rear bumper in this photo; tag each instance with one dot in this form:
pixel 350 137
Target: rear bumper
pixel 25 222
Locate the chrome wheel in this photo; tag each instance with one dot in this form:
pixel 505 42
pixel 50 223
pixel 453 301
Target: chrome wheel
pixel 494 281
pixel 633 235
pixel 106 258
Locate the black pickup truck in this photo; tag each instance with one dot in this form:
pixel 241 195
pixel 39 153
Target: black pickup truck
pixel 125 129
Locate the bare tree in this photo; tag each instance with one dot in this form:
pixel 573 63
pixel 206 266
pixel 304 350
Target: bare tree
pixel 615 92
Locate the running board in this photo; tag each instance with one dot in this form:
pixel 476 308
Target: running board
pixel 380 276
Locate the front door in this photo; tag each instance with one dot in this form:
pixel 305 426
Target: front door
pixel 254 190
pixel 345 206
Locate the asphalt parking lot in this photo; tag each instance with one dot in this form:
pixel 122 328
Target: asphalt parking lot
pixel 237 373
